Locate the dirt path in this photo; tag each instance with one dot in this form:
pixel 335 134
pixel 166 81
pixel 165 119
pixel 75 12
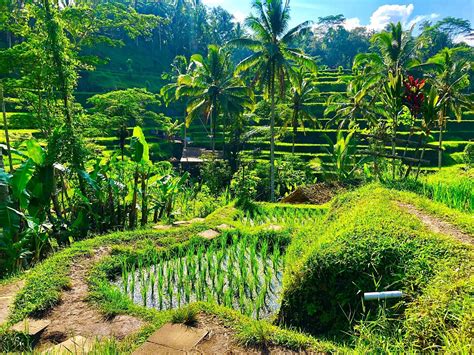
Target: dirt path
pixel 437 225
pixel 7 296
pixel 75 316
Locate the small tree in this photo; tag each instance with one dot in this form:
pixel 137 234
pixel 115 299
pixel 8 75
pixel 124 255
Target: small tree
pixel 118 110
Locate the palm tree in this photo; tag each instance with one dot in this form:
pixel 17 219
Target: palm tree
pixel 273 57
pixel 213 90
pixel 169 92
pixel 303 94
pixel 451 78
pixel 383 73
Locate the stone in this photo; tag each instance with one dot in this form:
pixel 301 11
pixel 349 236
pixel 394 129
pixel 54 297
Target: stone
pixel 223 226
pixel 197 220
pixel 209 234
pixel 77 345
pixel 151 348
pixel 177 336
pixel 180 223
pixel 31 326
pixel 274 227
pixel 162 227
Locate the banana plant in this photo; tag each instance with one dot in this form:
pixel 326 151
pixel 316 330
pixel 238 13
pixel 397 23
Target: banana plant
pixel 24 208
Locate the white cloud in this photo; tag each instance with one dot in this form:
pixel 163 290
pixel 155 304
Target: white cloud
pixel 239 16
pixel 386 14
pixel 213 2
pixel 352 23
pixel 468 39
pixel 390 13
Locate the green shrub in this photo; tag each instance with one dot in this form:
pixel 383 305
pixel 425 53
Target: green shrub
pixel 469 155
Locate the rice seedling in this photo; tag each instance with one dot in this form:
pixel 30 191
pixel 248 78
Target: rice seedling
pixel 240 273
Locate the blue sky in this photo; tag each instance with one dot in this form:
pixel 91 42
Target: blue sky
pixel 372 13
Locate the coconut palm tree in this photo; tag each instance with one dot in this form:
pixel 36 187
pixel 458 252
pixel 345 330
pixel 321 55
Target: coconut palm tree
pixel 273 57
pixel 382 72
pixel 213 90
pixel 451 76
pixel 303 94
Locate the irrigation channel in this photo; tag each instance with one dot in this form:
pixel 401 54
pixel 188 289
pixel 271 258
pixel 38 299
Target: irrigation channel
pixel 242 272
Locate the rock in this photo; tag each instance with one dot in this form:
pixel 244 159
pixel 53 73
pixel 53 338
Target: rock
pixel 77 345
pixel 180 223
pixel 151 348
pixel 197 220
pixel 274 227
pixel 209 234
pixel 223 226
pixel 177 336
pixel 162 227
pixel 31 326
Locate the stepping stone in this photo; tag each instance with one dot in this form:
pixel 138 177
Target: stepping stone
pixel 197 220
pixel 209 234
pixel 223 226
pixel 162 227
pixel 274 227
pixel 152 348
pixel 77 345
pixel 177 336
pixel 31 326
pixel 180 223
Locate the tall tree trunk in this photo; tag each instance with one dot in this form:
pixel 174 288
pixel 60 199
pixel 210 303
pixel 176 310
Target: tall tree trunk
pixel 144 219
pixel 213 119
pixel 5 127
pixel 133 207
pixel 440 147
pixel 295 129
pixel 272 135
pixel 394 137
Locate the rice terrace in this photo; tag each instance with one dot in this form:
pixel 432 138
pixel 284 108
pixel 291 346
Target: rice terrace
pixel 221 177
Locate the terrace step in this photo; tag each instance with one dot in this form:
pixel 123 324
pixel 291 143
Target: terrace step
pixel 172 339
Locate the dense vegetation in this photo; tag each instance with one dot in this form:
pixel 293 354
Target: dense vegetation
pixel 103 104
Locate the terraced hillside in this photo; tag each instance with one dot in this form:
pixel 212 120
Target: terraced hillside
pixel 310 143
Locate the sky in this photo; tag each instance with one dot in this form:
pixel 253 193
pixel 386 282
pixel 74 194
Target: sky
pixel 374 14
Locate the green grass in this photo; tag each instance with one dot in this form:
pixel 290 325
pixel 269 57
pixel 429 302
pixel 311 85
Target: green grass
pixel 367 244
pixel 452 186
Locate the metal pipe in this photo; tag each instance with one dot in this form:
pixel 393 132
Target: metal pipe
pixel 377 296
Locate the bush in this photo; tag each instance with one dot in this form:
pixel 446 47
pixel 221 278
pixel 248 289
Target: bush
pixel 469 155
pixel 215 173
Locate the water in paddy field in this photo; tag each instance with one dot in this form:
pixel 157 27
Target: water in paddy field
pixel 236 276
